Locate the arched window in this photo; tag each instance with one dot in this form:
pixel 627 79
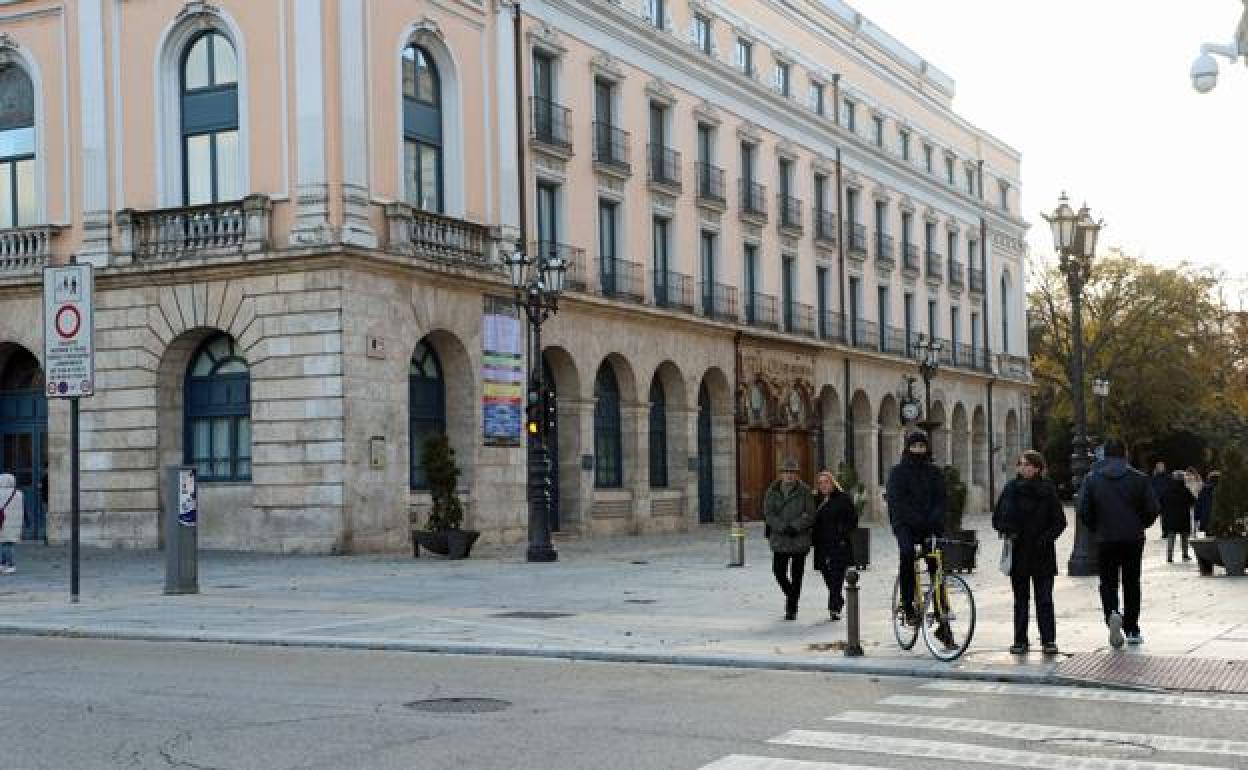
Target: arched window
pixel 211 152
pixel 422 130
pixel 18 205
pixel 427 406
pixel 1005 314
pixel 218 412
pixel 658 435
pixel 608 462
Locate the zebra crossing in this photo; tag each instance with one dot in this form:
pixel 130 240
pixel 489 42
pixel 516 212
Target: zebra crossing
pixel 929 725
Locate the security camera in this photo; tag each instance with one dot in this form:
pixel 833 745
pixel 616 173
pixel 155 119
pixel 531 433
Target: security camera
pixel 1204 73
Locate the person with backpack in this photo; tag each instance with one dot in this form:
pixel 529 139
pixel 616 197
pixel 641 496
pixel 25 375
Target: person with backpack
pixel 12 511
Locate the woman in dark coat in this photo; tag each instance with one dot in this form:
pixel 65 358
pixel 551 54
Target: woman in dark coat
pixel 1176 514
pixel 1030 514
pixel 835 520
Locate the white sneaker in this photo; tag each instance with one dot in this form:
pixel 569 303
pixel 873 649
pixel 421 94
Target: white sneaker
pixel 8 570
pixel 1135 637
pixel 1115 630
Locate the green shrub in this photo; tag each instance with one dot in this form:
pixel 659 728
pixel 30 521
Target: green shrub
pixel 1230 500
pixel 955 498
pixel 847 477
pixel 438 459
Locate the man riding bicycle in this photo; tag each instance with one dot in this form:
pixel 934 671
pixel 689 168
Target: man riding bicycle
pixel 916 511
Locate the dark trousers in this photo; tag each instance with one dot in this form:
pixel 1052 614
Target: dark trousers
pixel 905 570
pixel 788 569
pixel 834 577
pixel 1121 559
pixel 1023 586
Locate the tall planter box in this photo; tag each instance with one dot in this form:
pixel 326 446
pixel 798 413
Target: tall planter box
pixel 961 555
pixel 860 542
pixel 1207 553
pixel 1234 552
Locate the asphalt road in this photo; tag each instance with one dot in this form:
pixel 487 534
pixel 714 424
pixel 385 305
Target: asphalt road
pixel 69 704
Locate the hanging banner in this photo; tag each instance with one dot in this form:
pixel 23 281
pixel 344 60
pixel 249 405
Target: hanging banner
pixel 503 376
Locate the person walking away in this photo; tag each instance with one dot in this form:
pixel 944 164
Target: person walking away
pixel 12 511
pixel 836 517
pixel 916 511
pixel 789 509
pixel 1160 479
pixel 1204 502
pixel 1030 514
pixel 1176 514
pixel 1117 505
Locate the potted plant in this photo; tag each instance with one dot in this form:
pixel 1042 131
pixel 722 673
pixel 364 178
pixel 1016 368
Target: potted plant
pixel 442 533
pixel 860 539
pixel 1230 513
pixel 958 556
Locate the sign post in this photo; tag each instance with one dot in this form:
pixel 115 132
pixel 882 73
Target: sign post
pixel 181 530
pixel 69 364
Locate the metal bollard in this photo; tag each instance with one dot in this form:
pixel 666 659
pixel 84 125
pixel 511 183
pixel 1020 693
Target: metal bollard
pixel 853 641
pixel 736 546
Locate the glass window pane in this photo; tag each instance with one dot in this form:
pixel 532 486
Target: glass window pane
pixel 16 142
pixel 201 446
pixel 426 79
pixel 411 172
pixel 409 72
pixel 242 451
pixel 221 447
pixel 27 207
pixel 198 169
pixel 224 62
pixel 229 167
pixel 195 74
pixel 220 348
pixel 202 366
pixel 6 195
pixel 233 366
pixel 430 173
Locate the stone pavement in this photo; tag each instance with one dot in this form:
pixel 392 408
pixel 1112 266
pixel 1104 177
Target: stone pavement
pixel 650 598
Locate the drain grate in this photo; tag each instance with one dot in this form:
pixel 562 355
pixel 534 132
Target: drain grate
pixel 533 615
pixel 459 705
pixel 640 601
pixel 1169 673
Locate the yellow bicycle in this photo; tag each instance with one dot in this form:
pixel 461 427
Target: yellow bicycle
pixel 946 613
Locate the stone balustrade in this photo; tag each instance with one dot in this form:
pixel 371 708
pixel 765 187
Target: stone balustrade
pixel 25 249
pixel 210 230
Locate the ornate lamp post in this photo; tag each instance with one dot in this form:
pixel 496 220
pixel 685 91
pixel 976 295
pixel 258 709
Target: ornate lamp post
pixel 927 351
pixel 538 284
pixel 1074 237
pixel 1100 389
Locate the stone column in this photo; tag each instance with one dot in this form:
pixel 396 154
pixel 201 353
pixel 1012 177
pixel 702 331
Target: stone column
pixel 93 125
pixel 635 448
pixel 356 228
pixel 312 225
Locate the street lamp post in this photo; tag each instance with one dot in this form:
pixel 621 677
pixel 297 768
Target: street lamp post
pixel 1074 237
pixel 538 284
pixel 928 354
pixel 1100 389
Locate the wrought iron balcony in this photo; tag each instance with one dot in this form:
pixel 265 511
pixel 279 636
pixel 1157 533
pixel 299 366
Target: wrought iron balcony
pixel 790 212
pixel 977 280
pixel 620 279
pixel 612 147
pixel 711 185
pixel 884 251
pixel 551 123
pixel 210 230
pixel 575 277
pixel 832 326
pixel 910 254
pixel 664 167
pixel 858 241
pixel 753 199
pixel 673 290
pixel 25 249
pixel 945 357
pixel 864 334
pixel 935 263
pixel 825 227
pixel 719 301
pixel 799 318
pixel 955 273
pixel 761 311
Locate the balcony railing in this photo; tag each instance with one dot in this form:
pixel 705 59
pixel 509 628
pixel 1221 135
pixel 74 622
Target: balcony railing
pixel 790 212
pixel 620 279
pixel 551 123
pixel 934 264
pixel 673 290
pixel 664 167
pixel 884 250
pixel 832 326
pixel 910 254
pixel 611 146
pixel 864 334
pixel 977 280
pixel 945 357
pixel 573 257
pixel 858 241
pixel 893 341
pixel 955 273
pixel 753 199
pixel 719 301
pixel 1013 366
pixel 26 248
pixel 432 236
pixel 761 311
pixel 799 318
pixel 711 183
pixel 210 230
pixel 825 226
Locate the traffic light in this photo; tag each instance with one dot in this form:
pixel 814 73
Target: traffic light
pixel 533 413
pixel 548 411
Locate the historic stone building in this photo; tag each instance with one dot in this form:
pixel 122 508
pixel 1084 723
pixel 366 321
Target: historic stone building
pixel 297 211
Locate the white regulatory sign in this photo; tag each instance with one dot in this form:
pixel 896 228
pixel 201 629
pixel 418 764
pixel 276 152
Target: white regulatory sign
pixel 68 331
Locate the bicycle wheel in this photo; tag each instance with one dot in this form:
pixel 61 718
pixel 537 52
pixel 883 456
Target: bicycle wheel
pixel 949 619
pixel 906 634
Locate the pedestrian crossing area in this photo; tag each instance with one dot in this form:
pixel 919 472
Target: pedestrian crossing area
pixel 966 724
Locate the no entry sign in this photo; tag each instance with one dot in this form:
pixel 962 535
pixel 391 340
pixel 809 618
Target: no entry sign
pixel 68 339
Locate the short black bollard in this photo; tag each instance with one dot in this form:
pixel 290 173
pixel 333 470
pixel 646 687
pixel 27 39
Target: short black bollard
pixel 853 642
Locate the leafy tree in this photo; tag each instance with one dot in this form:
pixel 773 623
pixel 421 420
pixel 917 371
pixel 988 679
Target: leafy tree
pixel 1230 501
pixel 438 459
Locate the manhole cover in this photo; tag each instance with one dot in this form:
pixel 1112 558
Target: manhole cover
pixel 640 601
pixel 1092 747
pixel 639 561
pixel 533 615
pixel 458 705
pixel 229 585
pixel 1167 673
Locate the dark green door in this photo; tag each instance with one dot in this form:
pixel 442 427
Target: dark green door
pixel 706 472
pixel 24 437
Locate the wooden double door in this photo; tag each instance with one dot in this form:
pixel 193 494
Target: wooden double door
pixel 762 452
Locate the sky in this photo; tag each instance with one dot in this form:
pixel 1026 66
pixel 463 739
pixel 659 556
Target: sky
pixel 1097 96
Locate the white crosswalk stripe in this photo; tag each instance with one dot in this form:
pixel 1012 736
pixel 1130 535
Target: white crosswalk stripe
pixel 921 701
pixel 747 762
pixel 963 752
pixel 1086 694
pixel 1025 731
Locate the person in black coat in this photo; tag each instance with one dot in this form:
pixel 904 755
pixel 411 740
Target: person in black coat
pixel 916 510
pixel 1176 514
pixel 1030 514
pixel 835 520
pixel 1204 502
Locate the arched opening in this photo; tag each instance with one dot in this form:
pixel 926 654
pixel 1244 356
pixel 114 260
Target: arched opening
pixel 218 411
pixel 212 154
pixel 24 434
pixel 427 406
pixel 940 435
pixel 863 435
pixel 979 447
pixel 608 444
pixel 1013 440
pixel 889 439
pixel 961 442
pixel 717 474
pixel 658 435
pixel 19 198
pixel 832 429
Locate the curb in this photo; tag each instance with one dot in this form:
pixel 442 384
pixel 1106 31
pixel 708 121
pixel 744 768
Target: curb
pixel 862 666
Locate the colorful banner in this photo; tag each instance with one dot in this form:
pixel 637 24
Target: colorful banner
pixel 502 372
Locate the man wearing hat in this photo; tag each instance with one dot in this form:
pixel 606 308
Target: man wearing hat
pixel 789 509
pixel 916 510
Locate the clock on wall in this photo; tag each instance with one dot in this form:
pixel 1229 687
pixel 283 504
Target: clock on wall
pixel 910 411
